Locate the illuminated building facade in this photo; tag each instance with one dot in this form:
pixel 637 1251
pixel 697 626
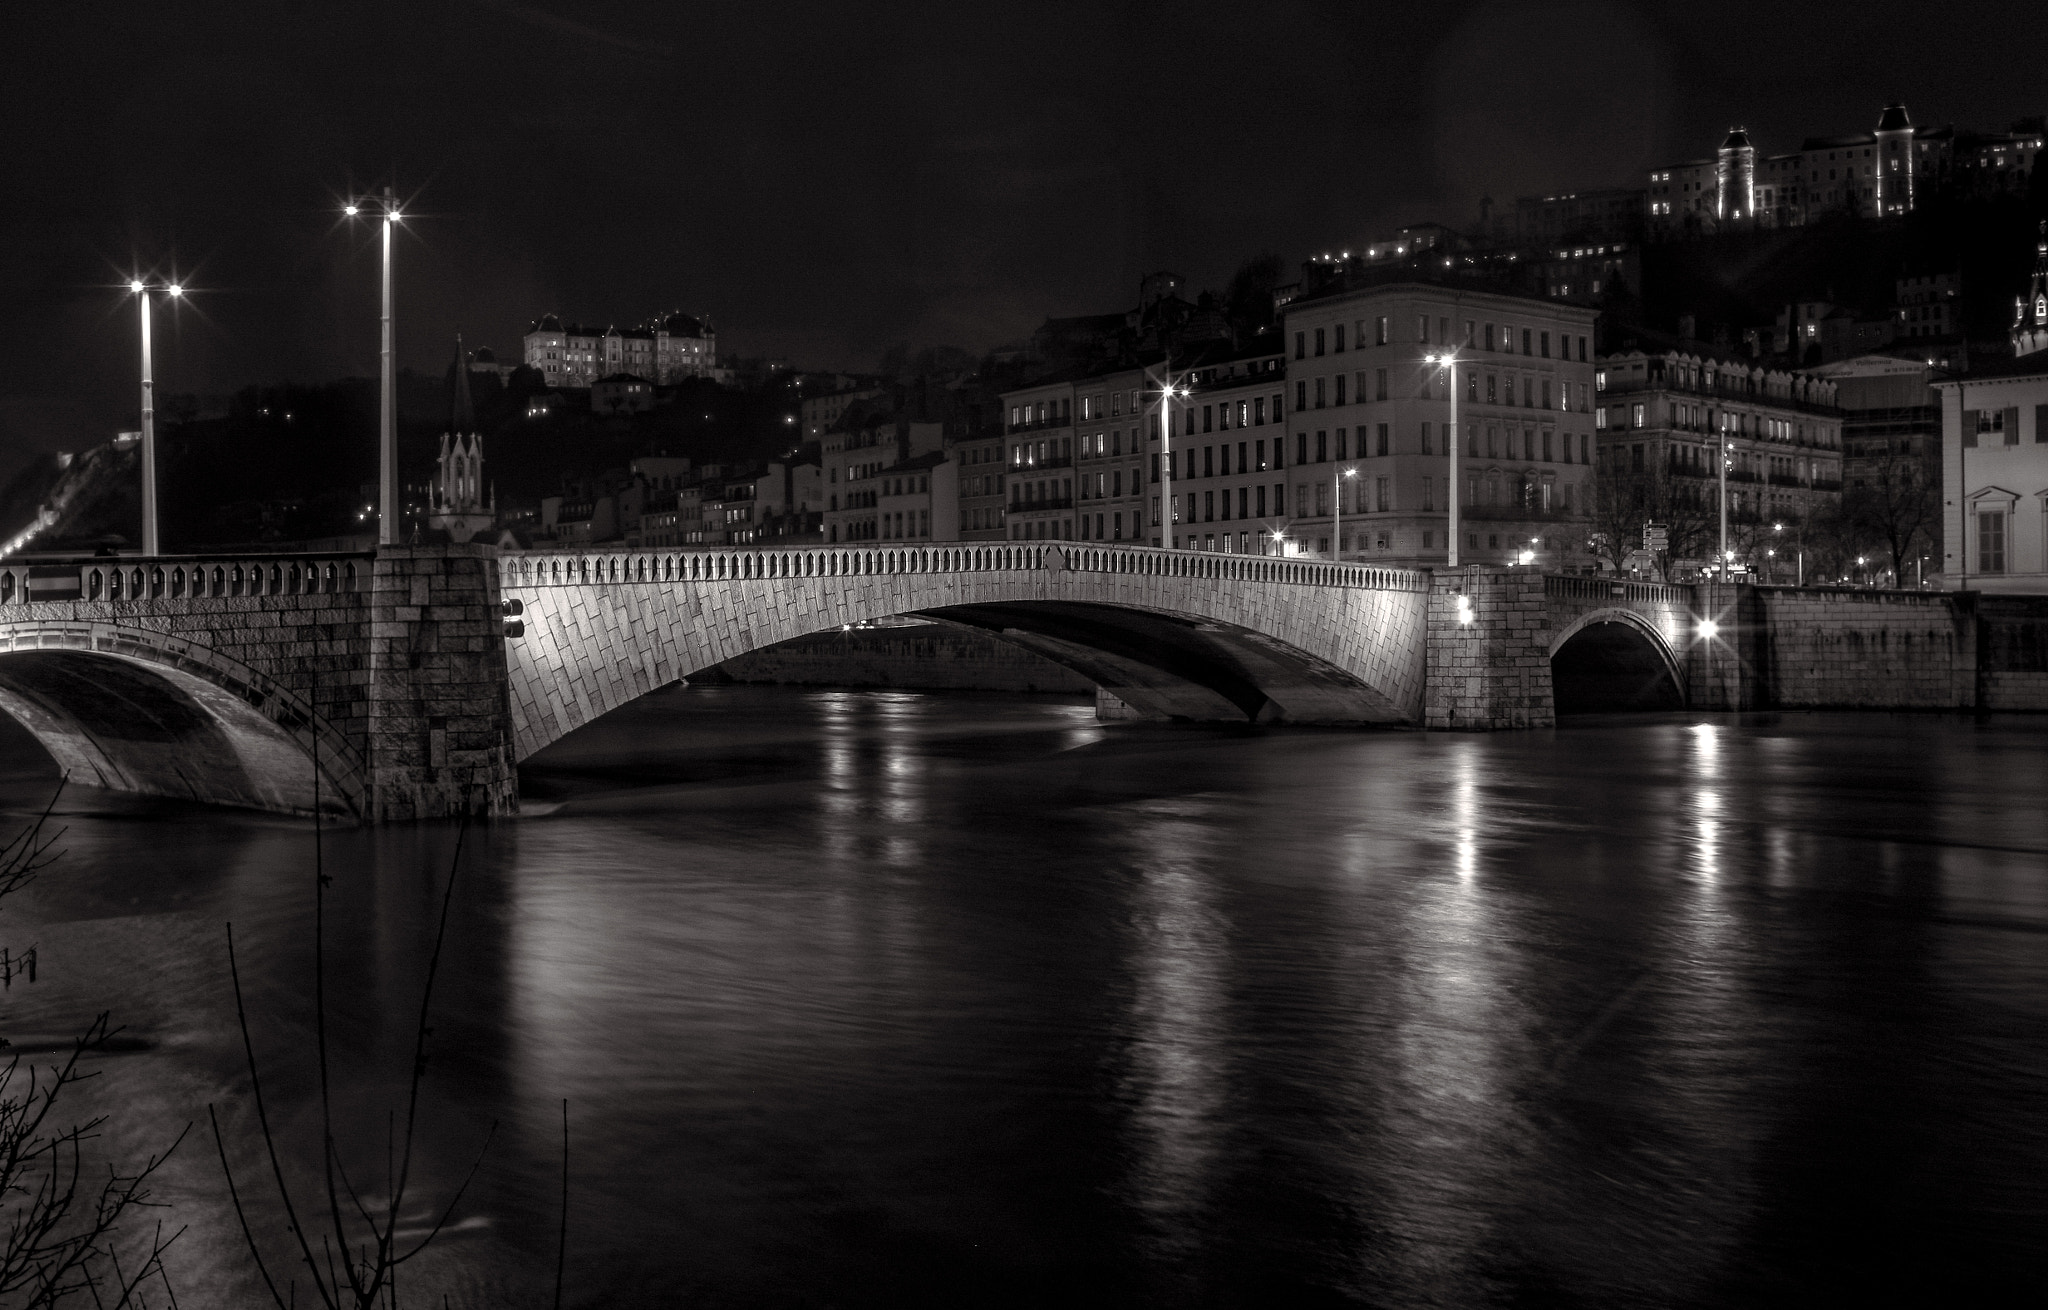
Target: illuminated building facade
pixel 665 351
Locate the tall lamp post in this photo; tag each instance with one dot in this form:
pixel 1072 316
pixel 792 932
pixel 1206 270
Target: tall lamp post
pixel 1722 572
pixel 151 543
pixel 1446 361
pixel 1337 481
pixel 1168 391
pixel 387 406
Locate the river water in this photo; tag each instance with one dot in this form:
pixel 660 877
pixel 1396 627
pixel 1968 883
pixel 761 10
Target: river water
pixel 887 998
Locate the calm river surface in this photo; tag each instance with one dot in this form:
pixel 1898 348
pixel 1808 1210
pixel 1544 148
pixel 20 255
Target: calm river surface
pixel 884 999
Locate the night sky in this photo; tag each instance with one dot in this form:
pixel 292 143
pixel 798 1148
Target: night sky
pixel 828 180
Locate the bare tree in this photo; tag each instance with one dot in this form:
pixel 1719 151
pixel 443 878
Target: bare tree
pixel 64 1212
pixel 1894 506
pixel 1629 500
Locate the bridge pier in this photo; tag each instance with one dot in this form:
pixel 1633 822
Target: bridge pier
pixel 1486 651
pixel 439 709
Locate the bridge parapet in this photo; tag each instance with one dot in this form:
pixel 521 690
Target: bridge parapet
pixel 182 577
pixel 670 564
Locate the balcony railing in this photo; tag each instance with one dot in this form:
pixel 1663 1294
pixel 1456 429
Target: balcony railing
pixel 1043 425
pixel 1032 507
pixel 1050 462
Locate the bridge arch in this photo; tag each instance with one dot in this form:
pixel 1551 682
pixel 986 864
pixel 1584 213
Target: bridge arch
pixel 1225 637
pixel 1615 659
pixel 132 709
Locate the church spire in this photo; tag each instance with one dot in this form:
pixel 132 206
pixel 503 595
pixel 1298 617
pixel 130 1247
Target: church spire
pixel 2030 312
pixel 463 416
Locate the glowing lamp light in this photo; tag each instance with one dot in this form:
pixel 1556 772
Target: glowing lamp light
pixel 350 210
pixel 174 289
pixel 1709 629
pixel 1526 557
pixel 1465 611
pixel 136 287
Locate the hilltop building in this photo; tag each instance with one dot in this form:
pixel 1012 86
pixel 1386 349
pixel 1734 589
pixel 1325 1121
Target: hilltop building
pixel 1882 173
pixel 664 351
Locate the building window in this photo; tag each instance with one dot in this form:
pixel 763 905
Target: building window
pixel 1428 499
pixel 1300 350
pixel 1340 385
pixel 1635 415
pixel 1382 493
pixel 1300 395
pixel 1379 331
pixel 1319 341
pixel 1339 347
pixel 1319 391
pixel 1380 440
pixel 1425 439
pixel 1991 541
pixel 1379 382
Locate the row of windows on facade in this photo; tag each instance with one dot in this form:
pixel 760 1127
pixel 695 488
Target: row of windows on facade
pixel 1312 393
pixel 2001 424
pixel 1698 462
pixel 1535 342
pixel 1701 418
pixel 896 525
pixel 1488 490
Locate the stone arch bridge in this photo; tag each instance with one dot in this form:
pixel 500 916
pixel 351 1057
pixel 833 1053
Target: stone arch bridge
pixel 396 685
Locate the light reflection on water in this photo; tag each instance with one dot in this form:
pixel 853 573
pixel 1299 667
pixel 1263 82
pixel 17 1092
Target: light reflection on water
pixel 887 999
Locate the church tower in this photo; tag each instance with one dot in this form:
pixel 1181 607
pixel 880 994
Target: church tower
pixel 1735 179
pixel 2030 312
pixel 1894 161
pixel 461 507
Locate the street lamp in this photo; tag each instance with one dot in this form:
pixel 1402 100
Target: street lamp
pixel 386 207
pixel 1168 391
pixel 1724 497
pixel 1445 360
pixel 140 289
pixel 1337 513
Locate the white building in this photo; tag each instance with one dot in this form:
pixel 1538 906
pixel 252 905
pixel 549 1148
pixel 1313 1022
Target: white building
pixel 1994 459
pixel 665 351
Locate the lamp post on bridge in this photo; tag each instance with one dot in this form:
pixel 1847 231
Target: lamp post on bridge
pixel 1168 390
pixel 151 542
pixel 1445 362
pixel 387 400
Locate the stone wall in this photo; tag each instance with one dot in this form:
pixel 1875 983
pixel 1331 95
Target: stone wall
pixel 2012 652
pixel 930 656
pixel 1493 672
pixel 439 727
pixel 1854 649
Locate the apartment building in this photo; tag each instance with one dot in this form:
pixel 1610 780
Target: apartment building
pixel 663 351
pixel 871 439
pixel 1368 465
pixel 1227 452
pixel 1669 408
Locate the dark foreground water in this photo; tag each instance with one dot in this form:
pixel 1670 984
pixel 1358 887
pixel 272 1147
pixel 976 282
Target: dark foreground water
pixel 882 999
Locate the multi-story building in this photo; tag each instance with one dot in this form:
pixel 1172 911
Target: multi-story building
pixel 1116 428
pixel 665 351
pixel 1366 416
pixel 869 438
pixel 1930 305
pixel 1039 476
pixel 1228 455
pixel 1994 452
pixel 822 411
pixel 918 499
pixel 1667 410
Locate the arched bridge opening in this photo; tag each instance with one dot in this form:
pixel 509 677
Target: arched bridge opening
pixel 1175 634
pixel 142 720
pixel 1615 661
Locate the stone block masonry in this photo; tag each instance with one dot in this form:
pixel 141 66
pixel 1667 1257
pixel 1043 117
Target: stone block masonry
pixel 439 735
pixel 1492 671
